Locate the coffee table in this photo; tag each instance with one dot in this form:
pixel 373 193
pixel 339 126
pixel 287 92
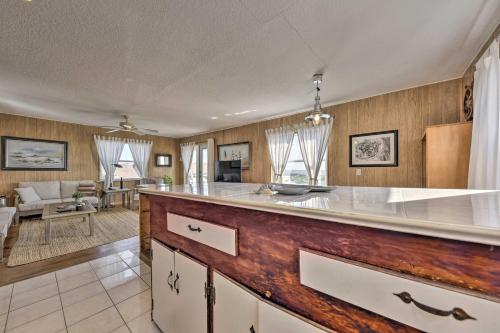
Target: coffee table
pixel 50 213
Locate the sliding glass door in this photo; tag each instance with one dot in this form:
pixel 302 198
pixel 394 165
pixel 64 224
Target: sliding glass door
pixel 198 173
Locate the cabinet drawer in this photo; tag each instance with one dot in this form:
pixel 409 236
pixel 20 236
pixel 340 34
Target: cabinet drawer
pixel 421 305
pixel 219 237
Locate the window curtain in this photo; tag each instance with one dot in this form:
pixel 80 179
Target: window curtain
pixel 211 160
pixel 313 141
pixel 141 150
pixel 187 156
pixel 484 165
pixel 279 144
pixel 109 150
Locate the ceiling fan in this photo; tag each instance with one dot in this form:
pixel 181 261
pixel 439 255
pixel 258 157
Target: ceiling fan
pixel 128 126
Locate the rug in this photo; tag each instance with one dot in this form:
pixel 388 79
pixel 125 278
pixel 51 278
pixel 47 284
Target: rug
pixel 71 235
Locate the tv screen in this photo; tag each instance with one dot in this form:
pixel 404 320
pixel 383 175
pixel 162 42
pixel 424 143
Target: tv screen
pixel 228 171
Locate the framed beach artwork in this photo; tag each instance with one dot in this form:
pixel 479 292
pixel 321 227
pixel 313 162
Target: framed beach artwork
pixel 377 149
pixel 236 151
pixel 34 154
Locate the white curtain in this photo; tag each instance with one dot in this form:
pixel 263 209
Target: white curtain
pixel 211 160
pixel 187 156
pixel 279 144
pixel 484 166
pixel 140 150
pixel 109 150
pixel 313 141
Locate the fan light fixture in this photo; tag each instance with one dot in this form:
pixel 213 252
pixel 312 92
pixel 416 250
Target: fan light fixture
pixel 317 113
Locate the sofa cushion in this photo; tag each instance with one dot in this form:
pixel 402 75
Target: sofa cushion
pixel 27 194
pixel 91 200
pixel 68 187
pixel 45 190
pixel 37 205
pixel 6 218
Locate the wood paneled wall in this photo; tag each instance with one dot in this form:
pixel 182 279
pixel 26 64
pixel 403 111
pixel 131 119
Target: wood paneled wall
pixel 408 111
pixel 82 155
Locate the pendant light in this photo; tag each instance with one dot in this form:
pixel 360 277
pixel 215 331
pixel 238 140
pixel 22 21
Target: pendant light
pixel 317 114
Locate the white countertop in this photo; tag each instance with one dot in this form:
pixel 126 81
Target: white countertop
pixel 468 215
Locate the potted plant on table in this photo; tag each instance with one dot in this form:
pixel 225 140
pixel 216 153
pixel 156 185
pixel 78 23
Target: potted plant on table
pixel 167 180
pixel 78 196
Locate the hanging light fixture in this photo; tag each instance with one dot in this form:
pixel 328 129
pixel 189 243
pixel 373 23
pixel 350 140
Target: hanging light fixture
pixel 317 113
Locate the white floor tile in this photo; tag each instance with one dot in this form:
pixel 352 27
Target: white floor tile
pixel 3 319
pixel 122 329
pixel 6 291
pixel 118 279
pixel 147 278
pixel 73 270
pixel 126 254
pixel 143 324
pixel 50 323
pixel 96 263
pixel 29 297
pixel 103 322
pixel 81 293
pixel 34 283
pixel 129 289
pixel 32 312
pixel 4 305
pixel 132 261
pixel 142 269
pixel 111 269
pixel 135 306
pixel 86 308
pixel 76 281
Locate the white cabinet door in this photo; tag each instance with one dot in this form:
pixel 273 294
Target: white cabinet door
pixel 235 309
pixel 162 294
pixel 275 320
pixel 191 304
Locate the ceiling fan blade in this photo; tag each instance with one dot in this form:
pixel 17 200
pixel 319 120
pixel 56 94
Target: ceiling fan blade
pixel 137 131
pixel 114 130
pixel 111 127
pixel 146 130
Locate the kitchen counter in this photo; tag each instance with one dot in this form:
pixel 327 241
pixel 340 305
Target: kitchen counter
pixel 466 215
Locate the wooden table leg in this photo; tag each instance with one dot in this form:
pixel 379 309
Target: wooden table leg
pixel 123 200
pixel 47 230
pixel 91 224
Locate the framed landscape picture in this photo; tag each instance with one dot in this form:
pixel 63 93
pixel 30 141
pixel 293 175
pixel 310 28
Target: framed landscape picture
pixel 377 149
pixel 236 151
pixel 34 154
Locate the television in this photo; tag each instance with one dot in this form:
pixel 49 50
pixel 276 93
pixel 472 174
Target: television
pixel 228 171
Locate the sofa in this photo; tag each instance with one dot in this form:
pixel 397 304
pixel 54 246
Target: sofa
pixel 6 217
pixel 48 192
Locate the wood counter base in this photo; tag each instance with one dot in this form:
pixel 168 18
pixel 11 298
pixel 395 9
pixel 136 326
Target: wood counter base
pixel 268 258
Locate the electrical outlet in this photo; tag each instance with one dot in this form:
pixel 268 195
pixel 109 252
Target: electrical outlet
pixel 358 172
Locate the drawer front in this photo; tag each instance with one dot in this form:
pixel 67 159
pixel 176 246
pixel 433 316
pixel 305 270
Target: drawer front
pixel 422 305
pixel 219 237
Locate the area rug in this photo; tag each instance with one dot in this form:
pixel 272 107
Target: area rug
pixel 71 235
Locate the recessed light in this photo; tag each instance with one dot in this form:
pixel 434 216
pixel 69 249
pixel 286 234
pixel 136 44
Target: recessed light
pixel 214 118
pixel 227 114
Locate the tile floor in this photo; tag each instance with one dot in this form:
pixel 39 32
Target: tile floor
pixel 109 294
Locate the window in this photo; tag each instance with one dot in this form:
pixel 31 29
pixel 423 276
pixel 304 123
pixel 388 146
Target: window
pixel 198 173
pixel 127 162
pixel 295 170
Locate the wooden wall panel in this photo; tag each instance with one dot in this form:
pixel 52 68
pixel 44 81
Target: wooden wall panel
pixel 408 111
pixel 82 154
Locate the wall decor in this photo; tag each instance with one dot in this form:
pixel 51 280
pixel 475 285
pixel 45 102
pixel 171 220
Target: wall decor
pixel 468 109
pixel 236 151
pixel 163 160
pixel 34 154
pixel 377 149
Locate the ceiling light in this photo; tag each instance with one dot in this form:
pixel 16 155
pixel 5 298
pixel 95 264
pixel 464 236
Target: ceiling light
pixel 317 113
pixel 228 114
pixel 214 118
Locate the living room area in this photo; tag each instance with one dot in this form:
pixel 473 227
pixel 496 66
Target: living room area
pixel 59 207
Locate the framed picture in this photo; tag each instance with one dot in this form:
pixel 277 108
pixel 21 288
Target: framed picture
pixel 34 154
pixel 163 160
pixel 236 151
pixel 377 149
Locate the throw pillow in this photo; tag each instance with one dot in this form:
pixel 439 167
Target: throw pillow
pixel 28 194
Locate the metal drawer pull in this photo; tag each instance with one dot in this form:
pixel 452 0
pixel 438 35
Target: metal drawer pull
pixel 168 280
pixel 457 313
pixel 175 283
pixel 252 330
pixel 194 229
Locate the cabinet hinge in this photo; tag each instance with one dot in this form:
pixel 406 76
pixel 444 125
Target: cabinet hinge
pixel 210 293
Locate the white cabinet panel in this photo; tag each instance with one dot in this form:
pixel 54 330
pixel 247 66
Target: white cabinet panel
pixel 162 293
pixel 376 291
pixel 275 320
pixel 191 305
pixel 235 309
pixel 219 237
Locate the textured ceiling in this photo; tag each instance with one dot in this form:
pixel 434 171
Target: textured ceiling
pixel 172 64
